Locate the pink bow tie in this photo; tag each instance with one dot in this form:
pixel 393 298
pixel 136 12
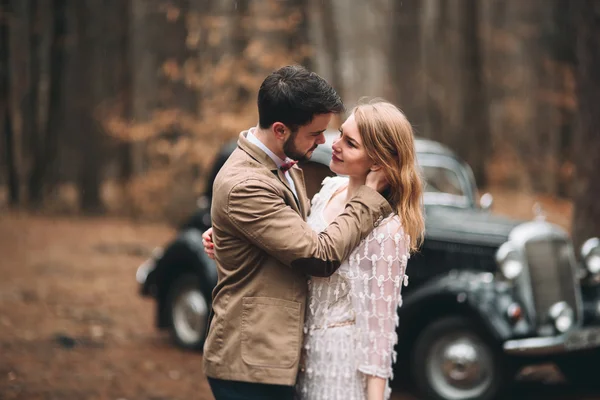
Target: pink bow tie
pixel 286 166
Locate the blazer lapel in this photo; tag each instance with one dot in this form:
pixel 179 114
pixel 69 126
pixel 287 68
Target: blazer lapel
pixel 285 182
pixel 260 156
pixel 298 178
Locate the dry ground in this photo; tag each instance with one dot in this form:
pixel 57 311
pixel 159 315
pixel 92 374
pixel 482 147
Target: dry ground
pixel 72 325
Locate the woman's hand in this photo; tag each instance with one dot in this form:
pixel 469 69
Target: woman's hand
pixel 209 246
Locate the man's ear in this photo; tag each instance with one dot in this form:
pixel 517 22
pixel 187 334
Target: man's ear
pixel 279 129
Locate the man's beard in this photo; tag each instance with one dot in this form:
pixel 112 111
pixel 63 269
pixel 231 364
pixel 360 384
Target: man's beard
pixel 290 150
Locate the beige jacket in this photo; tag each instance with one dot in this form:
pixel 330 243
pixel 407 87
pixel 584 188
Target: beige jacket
pixel 264 252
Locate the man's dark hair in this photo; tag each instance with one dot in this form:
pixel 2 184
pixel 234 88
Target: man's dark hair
pixel 293 96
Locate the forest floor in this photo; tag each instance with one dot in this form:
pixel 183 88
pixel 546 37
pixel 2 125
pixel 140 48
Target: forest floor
pixel 73 326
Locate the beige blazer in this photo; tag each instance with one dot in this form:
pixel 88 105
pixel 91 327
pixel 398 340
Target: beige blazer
pixel 264 252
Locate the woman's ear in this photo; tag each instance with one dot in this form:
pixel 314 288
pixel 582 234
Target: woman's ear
pixel 375 167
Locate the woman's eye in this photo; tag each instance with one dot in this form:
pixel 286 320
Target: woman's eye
pixel 350 143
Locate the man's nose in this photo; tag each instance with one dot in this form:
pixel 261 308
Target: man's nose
pixel 321 138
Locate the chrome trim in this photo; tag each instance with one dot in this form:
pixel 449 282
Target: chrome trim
pixel 562 309
pixel 504 251
pixel 143 270
pixel 538 230
pixel 446 199
pixel 538 346
pixel 522 283
pixel 588 246
pixel 486 201
pixel 535 231
pixel 558 308
pixel 459 366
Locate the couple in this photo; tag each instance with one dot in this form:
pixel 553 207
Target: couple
pixel 342 265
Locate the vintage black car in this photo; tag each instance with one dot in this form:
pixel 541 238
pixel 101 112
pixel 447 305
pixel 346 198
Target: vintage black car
pixel 487 294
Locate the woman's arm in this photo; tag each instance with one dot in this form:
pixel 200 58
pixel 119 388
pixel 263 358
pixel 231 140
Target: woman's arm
pixel 379 265
pixel 375 388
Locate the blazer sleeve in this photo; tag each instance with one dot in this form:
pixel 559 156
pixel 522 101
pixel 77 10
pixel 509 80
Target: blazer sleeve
pixel 260 214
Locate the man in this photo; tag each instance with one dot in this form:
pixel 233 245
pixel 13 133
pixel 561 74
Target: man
pixel 264 248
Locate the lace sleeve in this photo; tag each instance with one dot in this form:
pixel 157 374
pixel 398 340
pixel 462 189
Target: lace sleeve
pixel 379 268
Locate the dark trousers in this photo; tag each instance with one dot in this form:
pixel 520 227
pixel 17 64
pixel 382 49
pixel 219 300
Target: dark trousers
pixel 235 390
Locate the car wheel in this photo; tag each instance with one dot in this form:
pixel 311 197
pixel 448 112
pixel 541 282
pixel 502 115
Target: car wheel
pixel 453 360
pixel 189 310
pixel 580 369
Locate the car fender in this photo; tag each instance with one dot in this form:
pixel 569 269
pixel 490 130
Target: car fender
pixel 468 292
pixel 192 239
pixel 184 255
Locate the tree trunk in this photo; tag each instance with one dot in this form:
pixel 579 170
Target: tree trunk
pixel 299 41
pixel 524 87
pixel 46 149
pixel 126 150
pixel 6 125
pixel 586 216
pixel 144 65
pixel 443 65
pixel 406 76
pixel 476 132
pixel 90 51
pixel 32 145
pixel 331 44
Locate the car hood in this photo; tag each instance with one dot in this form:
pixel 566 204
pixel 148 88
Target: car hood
pixel 467 226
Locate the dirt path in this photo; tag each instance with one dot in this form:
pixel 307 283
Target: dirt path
pixel 72 325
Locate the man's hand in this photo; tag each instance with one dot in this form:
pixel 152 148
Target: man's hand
pixel 376 180
pixel 209 246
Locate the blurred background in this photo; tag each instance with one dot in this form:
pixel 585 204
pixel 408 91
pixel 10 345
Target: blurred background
pixel 111 113
pixel 117 107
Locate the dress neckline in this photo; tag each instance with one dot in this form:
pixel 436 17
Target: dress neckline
pixel 328 200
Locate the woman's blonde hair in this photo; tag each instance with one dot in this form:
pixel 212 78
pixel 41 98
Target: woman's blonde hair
pixel 388 139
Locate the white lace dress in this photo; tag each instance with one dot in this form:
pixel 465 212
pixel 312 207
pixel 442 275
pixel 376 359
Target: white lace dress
pixel 351 320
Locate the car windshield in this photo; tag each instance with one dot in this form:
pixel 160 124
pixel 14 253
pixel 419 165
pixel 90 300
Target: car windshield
pixel 441 180
pixel 447 182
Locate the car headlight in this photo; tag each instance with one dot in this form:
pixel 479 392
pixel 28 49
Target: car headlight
pixel 562 316
pixel 590 254
pixel 509 261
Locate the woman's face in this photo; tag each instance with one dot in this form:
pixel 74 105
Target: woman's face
pixel 349 155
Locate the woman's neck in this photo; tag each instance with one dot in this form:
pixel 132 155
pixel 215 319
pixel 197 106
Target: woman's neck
pixel 354 183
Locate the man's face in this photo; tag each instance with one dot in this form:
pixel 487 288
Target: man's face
pixel 301 144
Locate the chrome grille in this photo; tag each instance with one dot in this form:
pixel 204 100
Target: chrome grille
pixel 552 276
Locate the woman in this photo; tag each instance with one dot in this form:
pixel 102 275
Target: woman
pixel 350 328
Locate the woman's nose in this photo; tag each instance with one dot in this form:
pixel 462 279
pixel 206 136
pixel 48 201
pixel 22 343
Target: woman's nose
pixel 335 146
